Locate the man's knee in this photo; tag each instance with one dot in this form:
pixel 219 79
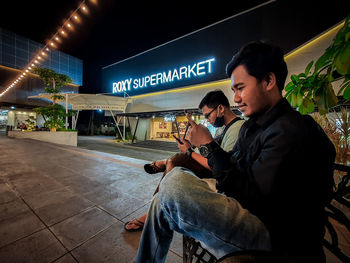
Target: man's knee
pixel 176 182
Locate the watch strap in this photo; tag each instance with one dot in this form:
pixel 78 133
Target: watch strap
pixel 207 149
pixel 189 152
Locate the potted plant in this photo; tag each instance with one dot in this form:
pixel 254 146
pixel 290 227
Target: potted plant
pixel 31 123
pixel 316 87
pixel 54 114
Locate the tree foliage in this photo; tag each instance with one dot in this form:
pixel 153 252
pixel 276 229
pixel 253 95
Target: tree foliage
pixel 53 81
pixel 54 114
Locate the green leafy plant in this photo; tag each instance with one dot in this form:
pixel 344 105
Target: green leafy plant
pixel 30 123
pixel 315 87
pixel 54 114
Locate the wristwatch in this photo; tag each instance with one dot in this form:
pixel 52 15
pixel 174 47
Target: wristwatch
pixel 206 149
pixel 189 152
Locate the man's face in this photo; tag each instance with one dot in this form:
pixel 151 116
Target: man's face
pixel 249 94
pixel 210 113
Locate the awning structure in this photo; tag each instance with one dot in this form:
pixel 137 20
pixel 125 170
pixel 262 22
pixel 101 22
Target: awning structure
pixel 90 101
pixel 79 102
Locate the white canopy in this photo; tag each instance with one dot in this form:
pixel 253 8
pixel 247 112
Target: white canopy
pixel 90 101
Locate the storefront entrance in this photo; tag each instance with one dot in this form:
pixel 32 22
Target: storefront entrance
pixel 3 119
pixel 164 128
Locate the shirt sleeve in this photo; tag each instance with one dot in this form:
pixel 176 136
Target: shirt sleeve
pixel 231 136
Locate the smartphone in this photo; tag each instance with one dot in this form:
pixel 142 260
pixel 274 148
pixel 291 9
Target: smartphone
pixel 186 111
pixel 186 130
pixel 177 138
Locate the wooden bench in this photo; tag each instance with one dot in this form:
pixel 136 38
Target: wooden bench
pixel 194 252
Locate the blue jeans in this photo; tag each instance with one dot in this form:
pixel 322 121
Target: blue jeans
pixel 187 205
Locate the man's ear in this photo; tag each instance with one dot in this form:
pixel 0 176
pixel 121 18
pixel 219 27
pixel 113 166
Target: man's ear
pixel 270 81
pixel 221 108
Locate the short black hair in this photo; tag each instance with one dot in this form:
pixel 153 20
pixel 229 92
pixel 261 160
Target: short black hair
pixel 213 99
pixel 260 59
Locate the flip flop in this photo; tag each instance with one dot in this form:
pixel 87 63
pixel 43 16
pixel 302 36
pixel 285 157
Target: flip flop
pixel 139 225
pixel 152 168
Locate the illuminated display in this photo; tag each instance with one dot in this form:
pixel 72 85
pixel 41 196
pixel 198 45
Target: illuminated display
pixel 195 70
pixel 168 118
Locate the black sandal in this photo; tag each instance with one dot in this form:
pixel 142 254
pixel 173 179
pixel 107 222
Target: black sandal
pixel 152 168
pixel 137 223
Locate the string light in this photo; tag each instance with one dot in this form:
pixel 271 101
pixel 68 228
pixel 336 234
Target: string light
pixel 52 43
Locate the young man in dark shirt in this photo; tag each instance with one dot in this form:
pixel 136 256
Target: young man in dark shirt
pixel 273 186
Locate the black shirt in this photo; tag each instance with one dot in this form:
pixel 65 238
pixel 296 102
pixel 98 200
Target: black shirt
pixel 281 170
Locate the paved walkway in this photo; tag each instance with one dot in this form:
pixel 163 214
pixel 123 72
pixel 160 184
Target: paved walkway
pixel 144 151
pixel 67 204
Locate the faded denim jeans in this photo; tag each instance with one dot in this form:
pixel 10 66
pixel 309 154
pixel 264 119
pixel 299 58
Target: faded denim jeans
pixel 187 205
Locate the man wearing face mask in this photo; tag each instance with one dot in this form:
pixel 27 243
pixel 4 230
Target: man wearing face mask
pixel 216 109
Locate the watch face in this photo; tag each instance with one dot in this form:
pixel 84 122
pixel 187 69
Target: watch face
pixel 204 151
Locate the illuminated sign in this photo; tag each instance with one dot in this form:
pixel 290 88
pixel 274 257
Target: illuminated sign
pixel 169 118
pixel 194 70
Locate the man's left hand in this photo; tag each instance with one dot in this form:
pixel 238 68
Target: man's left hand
pixel 185 146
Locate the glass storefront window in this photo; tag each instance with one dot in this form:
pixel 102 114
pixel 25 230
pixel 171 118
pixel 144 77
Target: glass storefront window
pixel 163 129
pixel 3 119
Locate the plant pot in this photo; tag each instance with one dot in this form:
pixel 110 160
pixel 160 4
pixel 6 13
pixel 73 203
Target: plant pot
pixel 52 129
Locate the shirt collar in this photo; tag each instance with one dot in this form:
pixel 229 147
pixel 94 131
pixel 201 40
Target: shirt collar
pixel 268 117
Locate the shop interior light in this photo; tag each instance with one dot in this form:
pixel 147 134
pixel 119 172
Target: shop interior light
pixel 53 42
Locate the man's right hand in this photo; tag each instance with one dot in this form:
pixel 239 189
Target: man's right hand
pixel 197 134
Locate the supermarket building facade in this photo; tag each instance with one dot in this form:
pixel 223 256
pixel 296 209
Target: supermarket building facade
pixel 165 80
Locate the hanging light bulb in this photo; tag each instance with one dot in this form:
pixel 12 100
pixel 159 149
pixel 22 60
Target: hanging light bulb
pixel 83 8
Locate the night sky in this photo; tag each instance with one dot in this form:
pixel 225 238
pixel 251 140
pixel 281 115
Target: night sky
pixel 114 30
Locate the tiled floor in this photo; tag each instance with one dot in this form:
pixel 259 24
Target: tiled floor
pixel 66 204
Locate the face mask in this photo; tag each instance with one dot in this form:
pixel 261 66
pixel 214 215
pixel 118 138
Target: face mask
pixel 219 122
